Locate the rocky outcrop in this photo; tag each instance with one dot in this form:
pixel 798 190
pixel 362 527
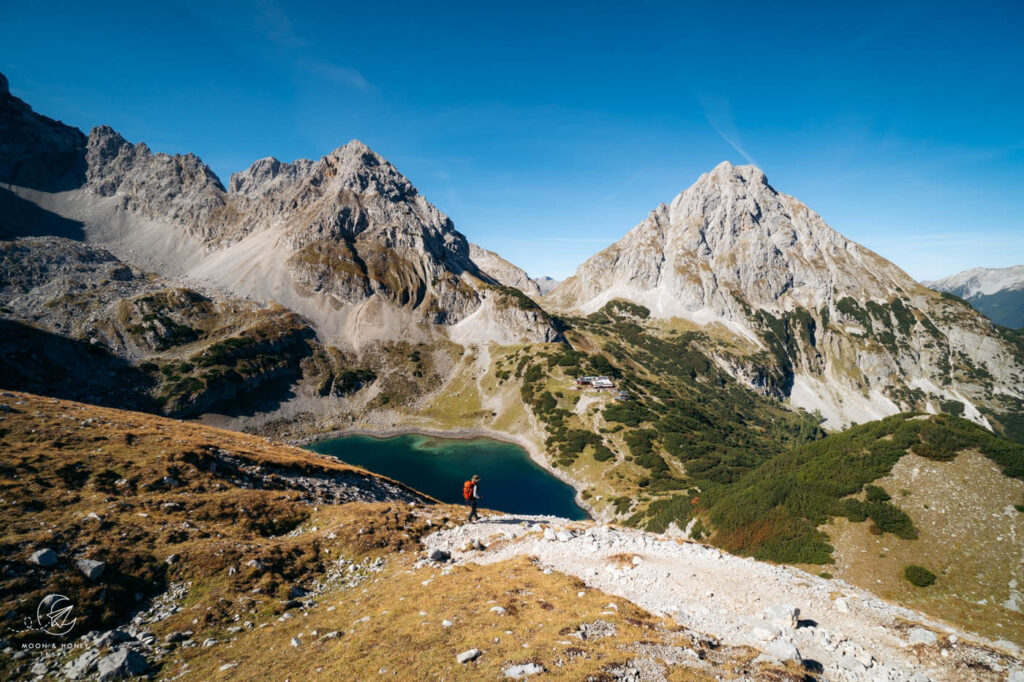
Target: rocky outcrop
pixel 78 319
pixel 996 292
pixel 831 325
pixel 730 240
pixel 507 316
pixel 502 271
pixel 178 189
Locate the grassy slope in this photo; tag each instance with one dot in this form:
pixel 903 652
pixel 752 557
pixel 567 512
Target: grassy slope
pixel 969 537
pixel 61 460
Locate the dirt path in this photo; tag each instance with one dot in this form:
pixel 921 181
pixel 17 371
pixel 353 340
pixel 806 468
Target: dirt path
pixel 841 632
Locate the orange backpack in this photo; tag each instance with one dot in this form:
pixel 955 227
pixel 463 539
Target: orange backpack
pixel 467 490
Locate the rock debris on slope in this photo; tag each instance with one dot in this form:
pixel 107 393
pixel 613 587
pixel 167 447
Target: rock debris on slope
pixel 828 626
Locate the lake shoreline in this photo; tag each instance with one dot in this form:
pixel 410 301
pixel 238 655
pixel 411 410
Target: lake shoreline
pixel 394 431
pixel 463 434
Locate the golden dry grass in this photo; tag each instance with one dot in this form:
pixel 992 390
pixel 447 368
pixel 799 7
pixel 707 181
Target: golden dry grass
pixel 61 460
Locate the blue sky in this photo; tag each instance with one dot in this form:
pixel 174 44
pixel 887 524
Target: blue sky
pixel 547 133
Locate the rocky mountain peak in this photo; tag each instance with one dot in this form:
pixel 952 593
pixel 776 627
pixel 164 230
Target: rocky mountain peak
pixel 853 334
pixel 356 167
pixel 113 161
pixel 502 271
pixel 105 142
pixel 259 177
pixel 4 87
pixel 727 174
pixel 981 281
pixel 180 188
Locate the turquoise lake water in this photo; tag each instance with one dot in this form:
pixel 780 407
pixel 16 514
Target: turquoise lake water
pixel 510 480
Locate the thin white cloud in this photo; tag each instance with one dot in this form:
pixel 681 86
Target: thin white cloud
pixel 342 75
pixel 275 25
pixel 271 21
pixel 718 113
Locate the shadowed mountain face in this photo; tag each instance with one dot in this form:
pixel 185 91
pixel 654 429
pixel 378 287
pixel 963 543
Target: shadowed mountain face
pixel 830 325
pixel 21 218
pixel 996 292
pixel 36 360
pixel 346 240
pixel 38 152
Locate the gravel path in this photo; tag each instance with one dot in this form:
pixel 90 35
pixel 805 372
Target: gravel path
pixel 840 631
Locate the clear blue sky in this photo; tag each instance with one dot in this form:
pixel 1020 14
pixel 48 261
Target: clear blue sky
pixel 546 133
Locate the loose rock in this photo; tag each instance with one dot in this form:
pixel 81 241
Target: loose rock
pixel 121 664
pixel 922 636
pixel 784 616
pixel 518 672
pixel 90 568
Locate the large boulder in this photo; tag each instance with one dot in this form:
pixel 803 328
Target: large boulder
pixel 90 568
pixel 785 616
pixel 121 664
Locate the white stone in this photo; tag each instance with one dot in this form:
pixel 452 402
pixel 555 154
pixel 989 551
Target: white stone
pixel 782 650
pixel 518 672
pixel 765 632
pixel 785 616
pixel 921 636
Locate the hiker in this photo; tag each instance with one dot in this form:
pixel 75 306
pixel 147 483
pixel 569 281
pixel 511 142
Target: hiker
pixel 472 495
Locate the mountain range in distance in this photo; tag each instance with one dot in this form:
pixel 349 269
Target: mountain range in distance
pixel 996 292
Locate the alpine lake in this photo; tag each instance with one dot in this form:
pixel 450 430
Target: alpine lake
pixel 509 480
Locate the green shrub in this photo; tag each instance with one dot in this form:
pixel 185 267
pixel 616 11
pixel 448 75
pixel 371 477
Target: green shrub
pixel 891 519
pixel 876 494
pixel 600 365
pixel 641 441
pixel 622 504
pixel 631 413
pixel 918 575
